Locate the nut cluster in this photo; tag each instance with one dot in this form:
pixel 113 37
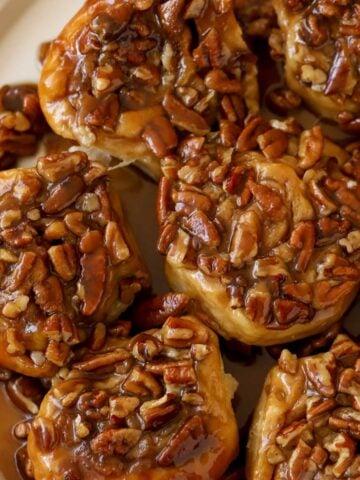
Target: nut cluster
pixel 152 69
pixel 135 405
pixel 257 17
pixel 275 220
pixel 66 261
pixel 21 123
pixel 322 46
pixel 321 435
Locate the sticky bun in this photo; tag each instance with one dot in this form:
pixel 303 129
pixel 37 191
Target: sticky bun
pixel 129 77
pixel 155 406
pixel 265 234
pixel 67 260
pixel 306 424
pixel 321 46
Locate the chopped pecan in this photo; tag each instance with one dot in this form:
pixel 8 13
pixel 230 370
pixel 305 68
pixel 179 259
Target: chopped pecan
pixel 248 137
pixel 64 260
pixel 115 441
pixel 183 117
pixel 115 243
pixel 142 383
pixel 186 439
pixel 245 239
pixel 145 347
pixel 180 333
pixel 58 166
pixel 299 291
pixel 288 311
pixel 199 225
pixel 64 194
pixel 273 143
pixel 187 202
pixel 153 312
pixel 343 446
pixel 49 295
pixel 213 265
pixel 298 462
pixel 166 237
pixel 183 375
pixel 93 362
pixel 57 353
pixel 258 304
pixel 121 407
pixel 290 434
pixel 310 147
pixel 92 280
pixel 60 327
pixel 156 413
pixel 316 406
pixel 269 200
pixel 320 370
pixel 160 136
pixel 106 113
pixel 217 80
pixel 303 238
pixel 282 100
pixel 327 293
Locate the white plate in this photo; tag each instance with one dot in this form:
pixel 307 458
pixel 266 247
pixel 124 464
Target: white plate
pixel 24 25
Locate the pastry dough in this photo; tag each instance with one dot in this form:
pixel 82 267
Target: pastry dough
pixel 321 48
pixel 265 235
pixel 129 77
pixel 306 422
pixel 67 260
pixel 154 407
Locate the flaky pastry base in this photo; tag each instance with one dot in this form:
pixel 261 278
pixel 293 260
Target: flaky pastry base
pixel 235 323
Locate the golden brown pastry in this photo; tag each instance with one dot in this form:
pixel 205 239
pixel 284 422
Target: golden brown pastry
pixel 128 76
pixel 22 123
pixel 67 260
pixel 306 424
pixel 155 407
pixel 265 234
pixel 322 51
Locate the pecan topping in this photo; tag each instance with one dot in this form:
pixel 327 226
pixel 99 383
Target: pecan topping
pixel 115 441
pixel 184 440
pixel 137 404
pixel 22 123
pixel 324 391
pixel 321 39
pixel 140 74
pixel 58 261
pixel 276 230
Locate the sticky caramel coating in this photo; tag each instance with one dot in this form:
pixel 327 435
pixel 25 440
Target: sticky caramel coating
pixel 321 48
pixel 22 123
pixel 67 261
pixel 129 77
pixel 156 406
pixel 264 233
pixel 307 417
